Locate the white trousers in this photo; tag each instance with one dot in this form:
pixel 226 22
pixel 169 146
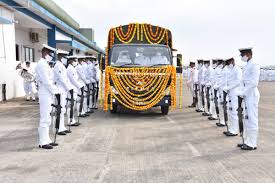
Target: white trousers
pixel 45 101
pixel 69 109
pixel 251 123
pixel 28 88
pixel 212 103
pixel 63 102
pixel 220 101
pixel 233 122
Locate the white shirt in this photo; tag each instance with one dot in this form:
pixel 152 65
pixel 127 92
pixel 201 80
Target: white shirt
pixel 61 78
pixel 201 74
pixel 73 78
pixel 81 74
pixel 234 80
pixel 44 77
pixel 251 75
pixel 158 59
pixel 142 60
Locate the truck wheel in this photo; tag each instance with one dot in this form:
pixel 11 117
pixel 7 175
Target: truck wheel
pixel 164 110
pixel 114 110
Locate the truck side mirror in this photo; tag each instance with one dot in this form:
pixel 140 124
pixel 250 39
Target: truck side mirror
pixel 179 60
pixel 179 63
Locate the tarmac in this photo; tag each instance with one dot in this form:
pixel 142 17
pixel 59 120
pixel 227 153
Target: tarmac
pixel 133 147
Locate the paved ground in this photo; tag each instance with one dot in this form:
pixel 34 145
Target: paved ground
pixel 135 147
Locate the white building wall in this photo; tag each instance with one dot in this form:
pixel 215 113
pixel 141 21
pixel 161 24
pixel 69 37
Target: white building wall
pixel 22 38
pixel 8 74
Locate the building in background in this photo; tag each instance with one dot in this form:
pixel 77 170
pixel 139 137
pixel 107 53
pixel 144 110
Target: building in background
pixel 27 24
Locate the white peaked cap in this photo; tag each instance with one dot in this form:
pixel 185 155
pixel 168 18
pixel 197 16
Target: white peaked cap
pixel 81 56
pixel 71 57
pixel 90 56
pixel 62 52
pixel 48 47
pixel 245 49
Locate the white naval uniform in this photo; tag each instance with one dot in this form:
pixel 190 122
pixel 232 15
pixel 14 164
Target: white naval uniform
pixel 189 83
pixel 213 80
pixel 90 75
pixel 142 60
pixel 83 81
pixel 73 78
pixel 233 87
pixel 46 90
pixel 208 83
pixel 251 74
pixel 63 85
pixel 219 86
pixel 201 75
pixel 28 86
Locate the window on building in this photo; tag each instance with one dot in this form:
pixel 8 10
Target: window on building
pixel 17 52
pixel 29 54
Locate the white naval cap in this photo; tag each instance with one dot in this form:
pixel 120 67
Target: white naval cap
pixel 91 56
pixel 245 49
pixel 49 47
pixel 81 56
pixel 72 57
pixel 62 52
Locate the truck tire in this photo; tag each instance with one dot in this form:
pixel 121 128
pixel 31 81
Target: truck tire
pixel 114 110
pixel 164 110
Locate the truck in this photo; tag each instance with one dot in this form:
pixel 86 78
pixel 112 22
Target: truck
pixel 139 71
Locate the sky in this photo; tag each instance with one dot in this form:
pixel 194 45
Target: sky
pixel 201 29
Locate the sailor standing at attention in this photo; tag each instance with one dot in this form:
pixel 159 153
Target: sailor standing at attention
pixel 232 88
pixel 201 73
pixel 63 85
pixel 213 80
pixel 251 75
pixel 46 92
pixel 190 82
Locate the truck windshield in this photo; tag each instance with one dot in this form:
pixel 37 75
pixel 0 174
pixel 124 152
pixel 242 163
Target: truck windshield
pixel 140 55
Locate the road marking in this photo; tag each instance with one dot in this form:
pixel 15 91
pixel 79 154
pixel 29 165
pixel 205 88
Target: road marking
pixel 195 152
pixel 170 119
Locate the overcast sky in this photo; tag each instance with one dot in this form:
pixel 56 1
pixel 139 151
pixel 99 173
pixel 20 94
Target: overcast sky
pixel 201 28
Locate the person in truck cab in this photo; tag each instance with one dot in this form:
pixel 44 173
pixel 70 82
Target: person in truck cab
pixel 159 59
pixel 123 58
pixel 141 59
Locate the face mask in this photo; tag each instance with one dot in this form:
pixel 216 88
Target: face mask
pixel 214 65
pixel 158 54
pixel 48 58
pixel 231 66
pixel 124 57
pixel 206 65
pixel 64 60
pixel 245 58
pixel 74 64
pixel 220 66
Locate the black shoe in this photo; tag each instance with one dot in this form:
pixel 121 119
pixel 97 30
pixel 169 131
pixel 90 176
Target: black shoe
pixel 240 145
pixel 212 119
pixel 206 114
pixel 199 110
pixel 82 115
pixel 90 111
pixel 67 131
pixel 192 105
pixel 47 146
pixel 248 148
pixel 86 114
pixel 220 125
pixel 33 100
pixel 53 144
pixel 61 133
pixel 229 134
pixel 75 124
pixel 27 99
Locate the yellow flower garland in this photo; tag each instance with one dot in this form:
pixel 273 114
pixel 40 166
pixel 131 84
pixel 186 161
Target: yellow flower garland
pixel 148 95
